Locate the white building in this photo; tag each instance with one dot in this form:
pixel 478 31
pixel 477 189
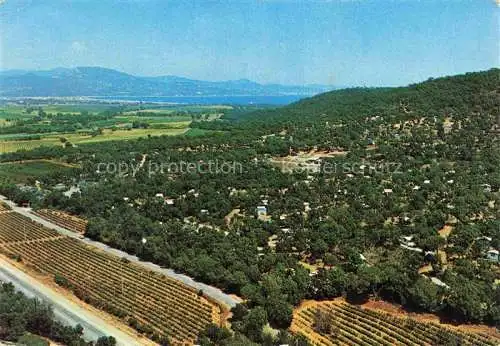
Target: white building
pixel 439 283
pixel 261 211
pixel 307 207
pixel 493 255
pixel 408 243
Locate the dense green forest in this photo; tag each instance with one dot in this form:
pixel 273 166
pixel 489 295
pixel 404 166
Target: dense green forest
pixel 22 319
pixel 412 160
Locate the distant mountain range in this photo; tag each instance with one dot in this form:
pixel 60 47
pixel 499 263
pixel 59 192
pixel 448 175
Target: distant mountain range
pixel 98 81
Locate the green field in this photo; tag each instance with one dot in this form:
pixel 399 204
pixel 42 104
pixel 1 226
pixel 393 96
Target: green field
pixel 25 127
pixel 21 172
pixel 29 126
pixel 109 135
pixel 153 119
pixel 20 110
pixel 177 108
pixel 7 146
pixel 199 132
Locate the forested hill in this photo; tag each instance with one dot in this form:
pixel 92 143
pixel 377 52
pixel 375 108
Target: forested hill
pixel 331 120
pixel 367 169
pixel 452 94
pixel 455 91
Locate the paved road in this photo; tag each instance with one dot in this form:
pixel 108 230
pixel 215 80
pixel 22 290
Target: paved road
pixel 210 291
pixel 65 310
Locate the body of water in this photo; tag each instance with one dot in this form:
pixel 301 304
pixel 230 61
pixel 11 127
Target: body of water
pixel 209 100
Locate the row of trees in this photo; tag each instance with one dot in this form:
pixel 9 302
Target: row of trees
pixel 20 316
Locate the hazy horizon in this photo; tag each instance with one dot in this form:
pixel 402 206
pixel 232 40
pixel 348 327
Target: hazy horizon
pixel 135 75
pixel 341 43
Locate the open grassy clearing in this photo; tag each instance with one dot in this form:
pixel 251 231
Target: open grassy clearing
pixel 10 114
pixel 21 172
pixel 197 132
pixel 77 139
pixel 304 160
pixel 12 146
pixel 13 109
pixel 21 110
pixel 5 122
pixel 170 125
pixel 154 119
pixel 14 136
pixel 91 108
pixel 166 118
pixel 175 108
pixel 109 135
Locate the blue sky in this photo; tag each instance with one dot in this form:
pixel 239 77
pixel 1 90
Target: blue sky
pixel 340 42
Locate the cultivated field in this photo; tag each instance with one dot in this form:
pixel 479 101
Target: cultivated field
pixel 151 303
pixel 62 219
pixel 46 125
pixel 27 128
pixel 22 171
pixel 340 323
pixel 15 227
pixel 11 146
pixel 80 139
